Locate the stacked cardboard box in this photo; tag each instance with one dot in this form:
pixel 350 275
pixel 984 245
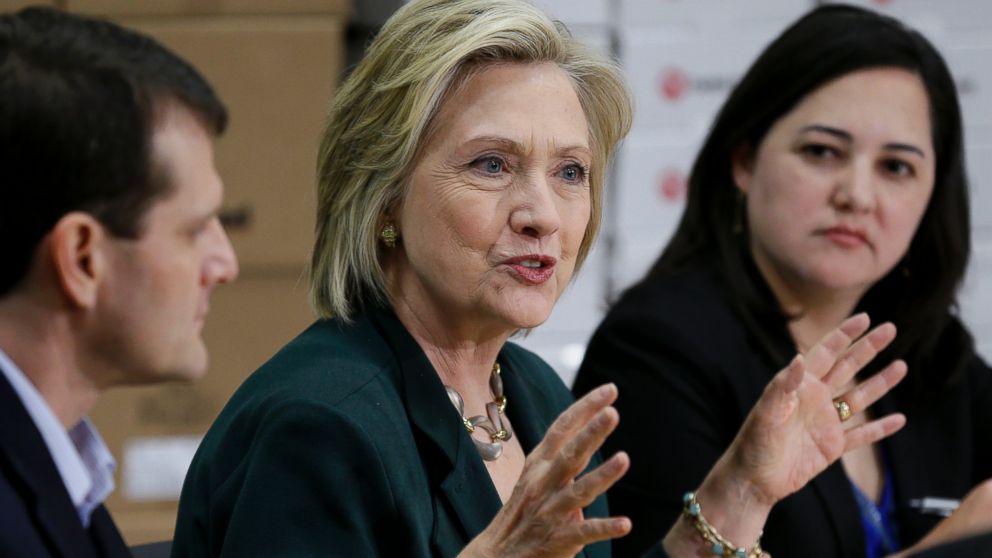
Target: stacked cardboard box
pixel 13 5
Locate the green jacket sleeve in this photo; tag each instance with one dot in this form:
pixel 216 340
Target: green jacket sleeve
pixel 310 484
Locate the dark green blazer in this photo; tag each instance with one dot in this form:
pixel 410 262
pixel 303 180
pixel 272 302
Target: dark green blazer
pixel 345 444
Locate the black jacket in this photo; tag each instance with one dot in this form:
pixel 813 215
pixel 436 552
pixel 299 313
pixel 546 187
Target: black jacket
pixel 37 517
pixel 689 371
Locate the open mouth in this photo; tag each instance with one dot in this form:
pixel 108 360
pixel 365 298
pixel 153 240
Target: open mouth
pixel 532 269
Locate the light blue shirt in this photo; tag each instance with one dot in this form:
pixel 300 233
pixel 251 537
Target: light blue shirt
pixel 80 455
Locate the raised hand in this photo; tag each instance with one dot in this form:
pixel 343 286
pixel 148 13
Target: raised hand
pixel 543 517
pixel 794 432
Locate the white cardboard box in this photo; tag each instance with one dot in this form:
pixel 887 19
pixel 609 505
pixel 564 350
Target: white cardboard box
pixel 651 182
pixel 725 15
pixel 975 297
pixel 680 78
pixel 978 159
pixel 935 19
pixel 577 12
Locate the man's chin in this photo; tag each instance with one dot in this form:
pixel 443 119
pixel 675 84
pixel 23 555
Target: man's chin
pixel 189 369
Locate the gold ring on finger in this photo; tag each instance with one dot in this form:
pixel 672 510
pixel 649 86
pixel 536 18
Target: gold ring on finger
pixel 843 409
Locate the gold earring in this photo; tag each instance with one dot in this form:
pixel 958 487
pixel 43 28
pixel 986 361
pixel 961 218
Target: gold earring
pixel 389 235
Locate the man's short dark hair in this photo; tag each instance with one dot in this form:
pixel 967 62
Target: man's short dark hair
pixel 79 99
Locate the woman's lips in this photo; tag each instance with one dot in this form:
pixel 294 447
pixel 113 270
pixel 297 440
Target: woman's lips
pixel 532 269
pixel 846 237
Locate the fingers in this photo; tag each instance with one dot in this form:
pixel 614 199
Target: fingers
pixel 596 529
pixel 822 356
pixel 576 453
pixel 575 418
pixel 873 431
pixel 551 520
pixel 872 389
pixel 582 492
pixel 863 396
pixel 793 374
pixel 777 403
pixel 860 354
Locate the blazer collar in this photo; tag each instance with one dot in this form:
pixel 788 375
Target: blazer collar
pixel 462 477
pixel 465 481
pixel 25 449
pixel 444 444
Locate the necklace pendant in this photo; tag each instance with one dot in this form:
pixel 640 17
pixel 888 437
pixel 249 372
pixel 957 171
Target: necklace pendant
pixel 494 424
pixel 488 452
pixel 456 399
pixel 501 428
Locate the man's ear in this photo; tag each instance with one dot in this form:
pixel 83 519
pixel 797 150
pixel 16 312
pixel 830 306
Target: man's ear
pixel 742 167
pixel 75 246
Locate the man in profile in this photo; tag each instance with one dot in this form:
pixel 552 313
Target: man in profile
pixel 108 212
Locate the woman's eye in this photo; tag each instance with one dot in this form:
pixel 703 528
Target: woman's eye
pixel 573 173
pixel 490 164
pixel 895 167
pixel 820 151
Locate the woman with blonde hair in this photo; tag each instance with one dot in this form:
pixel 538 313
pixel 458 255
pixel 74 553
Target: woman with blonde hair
pixel 460 186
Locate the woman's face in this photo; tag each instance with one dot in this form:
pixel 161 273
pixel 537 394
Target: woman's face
pixel 497 205
pixel 839 185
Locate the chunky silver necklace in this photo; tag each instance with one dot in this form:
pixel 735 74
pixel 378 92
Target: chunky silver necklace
pixel 494 425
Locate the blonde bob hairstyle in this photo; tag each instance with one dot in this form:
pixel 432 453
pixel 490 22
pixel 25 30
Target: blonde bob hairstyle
pixel 382 115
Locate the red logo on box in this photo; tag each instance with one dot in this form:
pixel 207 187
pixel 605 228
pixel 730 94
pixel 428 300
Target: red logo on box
pixel 672 185
pixel 673 84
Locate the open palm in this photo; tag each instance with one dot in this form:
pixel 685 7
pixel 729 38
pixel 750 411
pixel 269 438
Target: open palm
pixel 793 433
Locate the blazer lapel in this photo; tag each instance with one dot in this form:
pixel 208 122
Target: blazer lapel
pixel 910 476
pixel 834 490
pixel 529 417
pixel 465 491
pixel 21 441
pixel 834 487
pixel 530 414
pixel 106 535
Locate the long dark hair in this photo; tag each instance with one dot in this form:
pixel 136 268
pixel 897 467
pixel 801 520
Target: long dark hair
pixel 918 294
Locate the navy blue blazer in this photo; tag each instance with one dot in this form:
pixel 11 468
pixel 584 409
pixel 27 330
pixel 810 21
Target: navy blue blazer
pixel 37 517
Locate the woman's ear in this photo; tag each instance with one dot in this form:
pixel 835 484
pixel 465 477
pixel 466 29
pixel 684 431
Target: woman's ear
pixel 742 167
pixel 74 248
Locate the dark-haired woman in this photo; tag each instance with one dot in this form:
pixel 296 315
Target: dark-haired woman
pixel 831 183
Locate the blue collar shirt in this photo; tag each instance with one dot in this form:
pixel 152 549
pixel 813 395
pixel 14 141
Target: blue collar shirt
pixel 80 454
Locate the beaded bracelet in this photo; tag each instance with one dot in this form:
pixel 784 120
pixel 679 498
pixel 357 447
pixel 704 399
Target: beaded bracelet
pixel 719 546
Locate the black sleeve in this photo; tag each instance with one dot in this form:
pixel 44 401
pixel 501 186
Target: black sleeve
pixel 678 411
pixel 981 380
pixel 980 545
